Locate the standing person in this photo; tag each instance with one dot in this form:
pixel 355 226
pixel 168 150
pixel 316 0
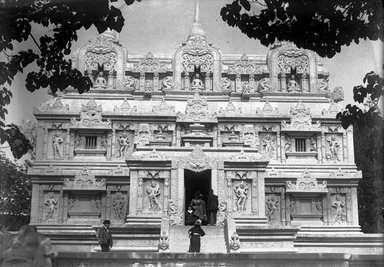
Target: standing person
pixel 105 237
pixel 213 207
pixel 194 237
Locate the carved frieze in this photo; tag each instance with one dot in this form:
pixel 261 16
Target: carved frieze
pixel 197 110
pixel 91 116
pixel 242 156
pixel 301 119
pixel 230 109
pixel 306 183
pixel 272 208
pixel 125 107
pixel 163 107
pixel 149 64
pixel 245 66
pixel 84 181
pixel 57 106
pixel 197 161
pixel 267 109
pixel 197 52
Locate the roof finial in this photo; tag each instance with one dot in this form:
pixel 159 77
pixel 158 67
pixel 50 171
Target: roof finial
pixel 197 11
pixel 197 30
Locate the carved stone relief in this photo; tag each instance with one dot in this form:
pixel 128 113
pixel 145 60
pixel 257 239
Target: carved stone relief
pixel 245 66
pixel 272 208
pixel 124 144
pixel 167 84
pixel 149 64
pixel 119 206
pixel 197 161
pixel 301 119
pixel 226 84
pixel 84 181
pixel 58 145
pixel 91 116
pixel 241 195
pixel 222 213
pixel 337 94
pixel 143 134
pixel 230 109
pixel 264 85
pixel 153 194
pixel 163 107
pixel 306 183
pixel 196 110
pixel 268 145
pixel 129 83
pixel 338 212
pixel 125 107
pixel 175 217
pixel 267 109
pixel 333 147
pixel 51 207
pixel 250 137
pixel 333 109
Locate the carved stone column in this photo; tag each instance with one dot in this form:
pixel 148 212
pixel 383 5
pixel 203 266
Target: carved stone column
pixel 71 146
pixel 278 146
pixel 345 147
pixel 350 147
pixel 142 81
pixel 113 144
pixel 67 144
pixel 238 83
pixel 288 209
pixel 304 83
pixel 178 135
pixel 133 192
pixel 186 81
pixel 208 81
pixel 319 149
pixel 255 200
pixel 283 152
pixel 156 81
pixel 261 192
pixel 110 80
pixel 215 130
pixel 348 203
pixel 252 82
pixel 283 82
pixel 322 146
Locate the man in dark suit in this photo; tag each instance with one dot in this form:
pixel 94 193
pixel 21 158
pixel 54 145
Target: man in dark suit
pixel 105 237
pixel 213 206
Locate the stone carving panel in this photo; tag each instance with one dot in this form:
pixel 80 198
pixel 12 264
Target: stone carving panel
pixel 230 109
pixel 57 144
pixel 124 141
pixel 306 183
pixel 272 208
pixel 124 107
pixel 91 116
pixel 149 64
pixel 241 197
pixel 338 211
pixel 51 206
pixel 268 144
pixel 84 181
pixel 175 216
pixel 250 136
pixel 267 109
pixel 167 84
pixel 119 203
pixel 301 119
pixel 143 134
pixel 129 83
pixel 334 147
pixel 196 110
pixel 197 161
pixel 163 107
pixel 245 66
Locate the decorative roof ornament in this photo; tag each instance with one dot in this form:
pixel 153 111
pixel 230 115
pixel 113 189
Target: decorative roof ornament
pixel 111 35
pixel 230 109
pixel 301 119
pixel 196 110
pixel 197 30
pixel 197 161
pixel 163 107
pixel 90 116
pixel 267 109
pixel 84 181
pixel 306 183
pixel 149 64
pixel 125 107
pixel 245 66
pixel 332 109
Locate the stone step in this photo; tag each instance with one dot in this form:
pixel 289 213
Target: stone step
pixel 306 230
pixel 212 242
pixel 141 220
pixel 250 221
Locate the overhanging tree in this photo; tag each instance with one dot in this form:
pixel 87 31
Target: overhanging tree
pixel 63 18
pixel 325 27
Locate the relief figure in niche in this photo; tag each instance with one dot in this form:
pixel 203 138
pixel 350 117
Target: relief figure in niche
pixel 153 192
pixel 288 144
pixel 293 85
pixel 339 206
pixel 51 203
pixel 319 206
pixel 167 83
pixel 246 88
pixel 118 206
pixel 197 83
pixel 104 142
pixel 100 82
pixel 77 141
pixel 226 84
pixel 333 148
pixel 148 86
pixel 264 85
pixel 268 145
pixel 241 192
pixel 313 145
pixel 57 142
pixel 272 207
pixel 124 144
pixel 129 82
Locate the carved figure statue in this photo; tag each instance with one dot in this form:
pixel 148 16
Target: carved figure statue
pixel 268 145
pixel 313 145
pixel 118 206
pixel 292 86
pixel 148 86
pixel 51 203
pixel 241 192
pixel 164 241
pixel 100 82
pixel 104 142
pixel 322 85
pixel 288 144
pixel 129 82
pixel 235 241
pixel 124 144
pixel 153 192
pixel 246 88
pixel 319 206
pixel 197 83
pixel 333 148
pixel 57 142
pixel 272 208
pixel 77 141
pixel 222 213
pixel 167 83
pixel 226 84
pixel 339 206
pixel 264 85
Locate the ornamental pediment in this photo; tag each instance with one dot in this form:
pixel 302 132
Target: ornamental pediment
pixel 306 183
pixel 149 64
pixel 197 110
pixel 230 109
pixel 125 107
pixel 84 181
pixel 91 116
pixel 163 107
pixel 267 109
pixel 197 161
pixel 101 52
pixel 57 106
pixel 301 119
pixel 245 66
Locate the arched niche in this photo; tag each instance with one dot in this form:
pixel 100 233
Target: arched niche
pixel 197 52
pixel 105 55
pixel 285 60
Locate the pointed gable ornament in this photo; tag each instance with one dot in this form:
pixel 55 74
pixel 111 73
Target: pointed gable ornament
pixel 91 117
pixel 197 110
pixel 306 183
pixel 301 120
pixel 197 161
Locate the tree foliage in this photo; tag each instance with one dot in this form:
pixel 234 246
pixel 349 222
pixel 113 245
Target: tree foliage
pixel 325 27
pixel 63 19
pixel 15 194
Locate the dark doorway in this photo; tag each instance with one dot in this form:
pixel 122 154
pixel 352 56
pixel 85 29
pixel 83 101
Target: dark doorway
pixel 196 181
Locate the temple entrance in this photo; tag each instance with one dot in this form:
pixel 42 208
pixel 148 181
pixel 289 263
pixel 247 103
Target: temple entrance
pixel 196 181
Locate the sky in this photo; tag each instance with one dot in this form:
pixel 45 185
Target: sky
pixel 160 27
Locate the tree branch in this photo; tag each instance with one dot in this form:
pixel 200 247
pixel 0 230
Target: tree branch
pixel 33 38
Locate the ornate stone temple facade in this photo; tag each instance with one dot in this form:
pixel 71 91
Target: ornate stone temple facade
pixel 259 130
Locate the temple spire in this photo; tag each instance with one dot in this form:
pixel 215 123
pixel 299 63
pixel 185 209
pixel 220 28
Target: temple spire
pixel 197 30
